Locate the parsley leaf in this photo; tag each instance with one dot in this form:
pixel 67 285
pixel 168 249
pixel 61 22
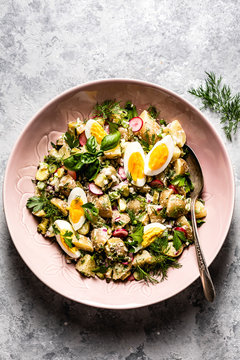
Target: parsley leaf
pixel 67 236
pixel 178 239
pixel 36 203
pixel 90 211
pixel 137 235
pixel 183 181
pixel 71 140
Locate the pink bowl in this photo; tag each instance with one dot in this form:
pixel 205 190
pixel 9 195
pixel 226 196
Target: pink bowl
pixel 45 258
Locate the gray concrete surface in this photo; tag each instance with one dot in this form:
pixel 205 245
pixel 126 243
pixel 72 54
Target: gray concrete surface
pixel 47 46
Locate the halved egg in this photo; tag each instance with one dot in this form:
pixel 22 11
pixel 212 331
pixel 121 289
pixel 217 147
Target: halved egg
pixel 151 232
pixel 159 157
pixel 134 163
pixel 93 128
pixel 65 238
pixel 76 199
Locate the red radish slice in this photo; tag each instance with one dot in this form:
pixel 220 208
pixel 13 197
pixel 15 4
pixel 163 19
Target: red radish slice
pixel 156 183
pixel 82 139
pixel 95 189
pixel 182 230
pixel 125 263
pixel 120 233
pixel 173 188
pixel 122 173
pixel 131 278
pixel 72 174
pixel 136 124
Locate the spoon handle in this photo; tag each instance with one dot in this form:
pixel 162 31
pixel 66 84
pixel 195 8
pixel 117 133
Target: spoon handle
pixel 208 287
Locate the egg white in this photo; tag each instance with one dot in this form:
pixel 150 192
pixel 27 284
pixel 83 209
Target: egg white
pixel 153 225
pixel 77 192
pixel 132 148
pixel 168 141
pixel 63 226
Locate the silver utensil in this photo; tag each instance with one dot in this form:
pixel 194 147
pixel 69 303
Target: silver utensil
pixel 196 177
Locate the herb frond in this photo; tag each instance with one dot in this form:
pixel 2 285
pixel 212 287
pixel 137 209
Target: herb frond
pixel 218 98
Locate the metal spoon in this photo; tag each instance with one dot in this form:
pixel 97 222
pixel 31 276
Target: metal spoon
pixel 196 177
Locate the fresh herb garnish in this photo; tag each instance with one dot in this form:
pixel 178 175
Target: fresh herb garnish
pixel 36 203
pixel 219 98
pixel 131 110
pixel 90 211
pixel 100 269
pixel 146 276
pixel 200 222
pixel 67 236
pixel 153 112
pixel 110 141
pixel 183 181
pixel 137 235
pixel 88 163
pixel 159 245
pixel 91 144
pixel 71 140
pixel 178 239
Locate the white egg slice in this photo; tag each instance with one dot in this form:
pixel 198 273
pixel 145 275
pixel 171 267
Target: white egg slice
pixel 159 157
pixel 76 199
pixel 93 128
pixel 151 232
pixel 134 158
pixel 65 238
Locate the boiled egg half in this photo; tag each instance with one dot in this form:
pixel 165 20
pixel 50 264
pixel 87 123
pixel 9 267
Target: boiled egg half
pixel 93 128
pixel 134 158
pixel 151 232
pixel 159 157
pixel 65 237
pixel 76 199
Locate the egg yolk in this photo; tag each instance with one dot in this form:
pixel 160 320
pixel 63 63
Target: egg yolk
pixel 98 131
pixel 158 157
pixel 150 235
pixel 76 211
pixel 136 166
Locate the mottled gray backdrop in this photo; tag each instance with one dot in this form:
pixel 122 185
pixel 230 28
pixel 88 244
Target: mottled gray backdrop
pixel 47 46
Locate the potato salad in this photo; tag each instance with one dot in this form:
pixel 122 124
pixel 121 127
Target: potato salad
pixel 114 192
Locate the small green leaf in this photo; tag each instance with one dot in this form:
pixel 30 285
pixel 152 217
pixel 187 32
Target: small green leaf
pixel 91 144
pixel 71 140
pixel 110 141
pixel 90 211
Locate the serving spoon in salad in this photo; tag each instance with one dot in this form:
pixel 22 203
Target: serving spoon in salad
pixel 196 177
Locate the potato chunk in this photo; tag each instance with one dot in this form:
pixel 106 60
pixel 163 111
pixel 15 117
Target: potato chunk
pixel 154 212
pixel 150 128
pixel 61 205
pixel 115 247
pixel 99 238
pixel 175 206
pixel 119 220
pixel 66 184
pixel 176 131
pixel 42 173
pixel 171 251
pixel 180 167
pixel 141 259
pixel 104 206
pixel 136 205
pixel 83 243
pixel 121 272
pixel 182 222
pixel 86 265
pixel 165 195
pixel 200 210
pixel 113 153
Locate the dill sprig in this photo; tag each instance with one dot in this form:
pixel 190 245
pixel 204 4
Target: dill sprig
pixel 218 98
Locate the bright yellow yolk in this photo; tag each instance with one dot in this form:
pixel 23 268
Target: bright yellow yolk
pixel 98 131
pixel 158 157
pixel 73 249
pixel 136 166
pixel 150 235
pixel 76 211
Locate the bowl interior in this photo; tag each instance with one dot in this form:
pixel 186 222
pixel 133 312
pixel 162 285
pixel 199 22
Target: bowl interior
pixel 45 258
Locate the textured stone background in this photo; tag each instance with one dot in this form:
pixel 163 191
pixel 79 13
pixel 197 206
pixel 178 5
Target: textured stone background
pixel 47 46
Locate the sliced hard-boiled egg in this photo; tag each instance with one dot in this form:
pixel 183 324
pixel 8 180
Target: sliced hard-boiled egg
pixel 134 163
pixel 159 157
pixel 76 199
pixel 151 232
pixel 65 237
pixel 93 128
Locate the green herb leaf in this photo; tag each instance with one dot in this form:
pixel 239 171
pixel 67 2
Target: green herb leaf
pixel 67 236
pixel 178 239
pixel 91 144
pixel 90 211
pixel 146 276
pixel 101 269
pixel 71 140
pixel 110 141
pixel 183 181
pixel 36 203
pixel 138 234
pixel 88 163
pixel 200 222
pixel 159 245
pixel 219 98
pixel 153 112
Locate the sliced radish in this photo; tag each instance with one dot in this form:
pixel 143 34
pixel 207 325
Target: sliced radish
pixel 156 183
pixel 182 230
pixel 122 173
pixel 173 188
pixel 82 139
pixel 120 233
pixel 125 263
pixel 95 189
pixel 136 124
pixel 73 174
pixel 131 278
